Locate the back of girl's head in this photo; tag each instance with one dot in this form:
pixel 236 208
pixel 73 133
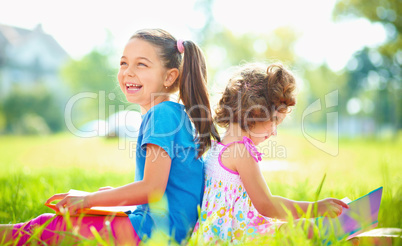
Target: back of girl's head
pixel 191 83
pixel 254 93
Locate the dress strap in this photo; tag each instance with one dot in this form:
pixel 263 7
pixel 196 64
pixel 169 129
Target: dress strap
pixel 250 146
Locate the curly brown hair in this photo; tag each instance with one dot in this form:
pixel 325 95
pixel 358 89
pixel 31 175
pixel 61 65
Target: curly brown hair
pixel 254 93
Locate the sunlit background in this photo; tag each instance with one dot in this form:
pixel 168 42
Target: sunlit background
pixel 53 50
pixel 59 98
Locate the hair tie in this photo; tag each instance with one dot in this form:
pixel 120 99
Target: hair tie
pixel 180 46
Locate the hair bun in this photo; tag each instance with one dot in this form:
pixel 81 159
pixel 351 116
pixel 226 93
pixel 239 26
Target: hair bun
pixel 281 87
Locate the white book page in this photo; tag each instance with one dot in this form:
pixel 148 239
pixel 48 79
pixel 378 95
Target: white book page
pixel 346 200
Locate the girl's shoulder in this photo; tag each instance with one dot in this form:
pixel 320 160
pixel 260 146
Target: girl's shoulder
pixel 167 106
pixel 166 110
pixel 239 151
pixel 168 119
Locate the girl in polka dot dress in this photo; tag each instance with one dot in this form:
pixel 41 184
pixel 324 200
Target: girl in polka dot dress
pixel 237 202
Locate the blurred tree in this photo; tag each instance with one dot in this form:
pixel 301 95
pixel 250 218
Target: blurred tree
pixel 94 73
pixel 386 12
pixel 375 80
pixel 2 119
pixel 274 46
pixel 91 73
pixel 224 49
pixel 320 81
pixel 33 111
pixel 378 69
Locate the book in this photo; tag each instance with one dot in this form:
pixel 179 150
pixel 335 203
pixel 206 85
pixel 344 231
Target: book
pixel 112 210
pixel 361 216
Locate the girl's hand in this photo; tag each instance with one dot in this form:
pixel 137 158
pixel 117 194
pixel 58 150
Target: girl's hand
pixel 105 188
pixel 330 207
pixel 72 203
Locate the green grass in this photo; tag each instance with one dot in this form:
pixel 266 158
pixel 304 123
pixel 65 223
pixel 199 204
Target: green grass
pixel 35 168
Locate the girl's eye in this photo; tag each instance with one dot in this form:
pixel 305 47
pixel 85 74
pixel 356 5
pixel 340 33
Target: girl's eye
pixel 142 65
pixel 123 63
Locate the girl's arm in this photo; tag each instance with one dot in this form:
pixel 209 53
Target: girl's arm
pixel 153 186
pixel 260 195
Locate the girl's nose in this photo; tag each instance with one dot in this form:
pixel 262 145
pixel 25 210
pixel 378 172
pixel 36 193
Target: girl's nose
pixel 129 72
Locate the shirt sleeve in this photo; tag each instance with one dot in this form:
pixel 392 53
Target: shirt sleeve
pixel 161 127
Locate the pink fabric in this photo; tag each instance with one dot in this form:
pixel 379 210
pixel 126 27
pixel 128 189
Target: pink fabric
pixel 250 148
pixel 180 46
pixel 120 227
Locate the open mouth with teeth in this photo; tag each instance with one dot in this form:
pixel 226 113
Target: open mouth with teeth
pixel 132 88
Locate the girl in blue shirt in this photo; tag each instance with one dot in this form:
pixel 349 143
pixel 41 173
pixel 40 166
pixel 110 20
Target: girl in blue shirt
pixel 169 177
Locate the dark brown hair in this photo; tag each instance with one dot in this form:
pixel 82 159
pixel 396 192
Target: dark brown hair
pixel 191 83
pixel 254 93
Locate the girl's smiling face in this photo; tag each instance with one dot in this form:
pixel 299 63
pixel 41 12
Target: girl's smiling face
pixel 142 76
pixel 263 130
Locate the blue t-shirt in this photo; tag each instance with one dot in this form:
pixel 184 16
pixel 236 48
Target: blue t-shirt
pixel 168 126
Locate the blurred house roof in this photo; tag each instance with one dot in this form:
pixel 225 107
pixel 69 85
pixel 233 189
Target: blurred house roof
pixel 15 38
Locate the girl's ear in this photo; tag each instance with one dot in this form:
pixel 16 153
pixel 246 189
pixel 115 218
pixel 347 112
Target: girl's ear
pixel 171 77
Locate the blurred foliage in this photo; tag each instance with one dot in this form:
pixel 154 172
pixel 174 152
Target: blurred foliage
pixel 91 73
pixel 318 82
pixel 386 12
pixel 375 79
pixel 2 119
pixel 372 77
pixel 34 111
pixel 375 73
pixel 94 73
pixel 277 45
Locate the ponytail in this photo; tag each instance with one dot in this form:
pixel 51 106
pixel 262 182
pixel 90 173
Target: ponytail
pixel 192 81
pixel 194 95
